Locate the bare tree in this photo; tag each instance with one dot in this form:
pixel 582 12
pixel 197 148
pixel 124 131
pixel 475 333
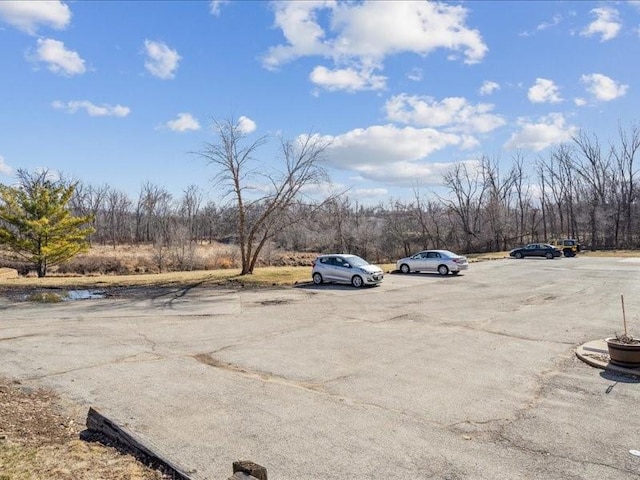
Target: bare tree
pixel 259 218
pixel 118 217
pixel 188 209
pixel 498 190
pixel 523 195
pixel 468 191
pixel 152 203
pixel 88 200
pixel 594 168
pixel 624 156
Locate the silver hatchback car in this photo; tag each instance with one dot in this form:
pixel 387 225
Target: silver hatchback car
pixel 441 261
pixel 345 268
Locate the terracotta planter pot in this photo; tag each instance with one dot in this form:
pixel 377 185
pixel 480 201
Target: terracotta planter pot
pixel 624 354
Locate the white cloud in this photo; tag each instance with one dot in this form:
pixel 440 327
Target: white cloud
pixel 215 6
pixel 369 193
pixel 390 154
pixel 415 74
pixel 28 16
pixel 162 61
pixel 58 59
pixel 246 125
pixel 347 79
pixel 549 130
pixel 544 91
pixel 92 110
pixel 381 144
pixel 454 113
pixel 555 21
pixel 405 174
pixel 579 102
pixel 365 33
pixel 184 123
pixel 4 168
pixel 488 87
pixel 607 24
pixel 602 87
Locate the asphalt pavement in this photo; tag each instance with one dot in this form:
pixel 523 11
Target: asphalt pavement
pixel 466 377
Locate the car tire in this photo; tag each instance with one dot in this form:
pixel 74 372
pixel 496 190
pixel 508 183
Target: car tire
pixel 518 255
pixel 568 253
pixel 549 256
pixel 443 270
pixel 404 268
pixel 356 281
pixel 317 278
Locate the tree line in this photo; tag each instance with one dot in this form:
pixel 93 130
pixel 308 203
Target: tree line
pixel 583 189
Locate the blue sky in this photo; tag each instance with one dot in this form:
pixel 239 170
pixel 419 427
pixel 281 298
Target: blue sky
pixel 120 93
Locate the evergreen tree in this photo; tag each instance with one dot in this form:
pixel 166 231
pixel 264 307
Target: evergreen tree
pixel 36 224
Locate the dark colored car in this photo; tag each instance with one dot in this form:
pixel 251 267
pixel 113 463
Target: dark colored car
pixel 536 250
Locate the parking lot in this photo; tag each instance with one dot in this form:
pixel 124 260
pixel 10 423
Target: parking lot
pixel 424 376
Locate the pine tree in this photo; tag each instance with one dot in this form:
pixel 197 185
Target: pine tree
pixel 36 224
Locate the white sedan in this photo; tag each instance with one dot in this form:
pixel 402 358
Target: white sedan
pixel 441 261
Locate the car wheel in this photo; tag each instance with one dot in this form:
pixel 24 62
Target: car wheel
pixel 567 253
pixel 356 281
pixel 404 268
pixel 443 270
pixel 317 278
pixel 549 255
pixel 518 255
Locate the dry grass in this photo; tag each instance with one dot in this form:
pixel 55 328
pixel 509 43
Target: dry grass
pixel 40 440
pixel 146 259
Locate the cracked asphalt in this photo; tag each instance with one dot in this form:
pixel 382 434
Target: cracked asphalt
pixel 467 377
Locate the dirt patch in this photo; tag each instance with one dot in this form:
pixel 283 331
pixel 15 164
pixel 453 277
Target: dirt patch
pixel 40 439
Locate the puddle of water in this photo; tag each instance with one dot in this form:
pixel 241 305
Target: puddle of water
pixel 83 295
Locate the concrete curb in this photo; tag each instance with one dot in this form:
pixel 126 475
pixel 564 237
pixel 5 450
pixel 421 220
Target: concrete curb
pixel 596 354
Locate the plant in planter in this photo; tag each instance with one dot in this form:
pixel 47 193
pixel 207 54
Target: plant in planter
pixel 624 350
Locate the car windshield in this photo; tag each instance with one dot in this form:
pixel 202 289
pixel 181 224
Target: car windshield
pixel 356 261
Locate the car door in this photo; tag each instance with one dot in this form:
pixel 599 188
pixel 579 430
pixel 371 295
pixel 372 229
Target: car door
pixel 328 269
pixel 432 261
pixel 342 270
pixel 531 250
pixel 539 250
pixel 418 261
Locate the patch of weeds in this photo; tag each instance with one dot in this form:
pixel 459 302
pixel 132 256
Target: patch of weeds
pixel 47 297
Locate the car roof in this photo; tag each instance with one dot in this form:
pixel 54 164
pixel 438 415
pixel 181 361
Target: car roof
pixel 439 251
pixel 337 255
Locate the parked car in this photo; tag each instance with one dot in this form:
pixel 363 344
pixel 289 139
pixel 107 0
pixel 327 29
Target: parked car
pixel 345 268
pixel 536 250
pixel 568 246
pixel 441 261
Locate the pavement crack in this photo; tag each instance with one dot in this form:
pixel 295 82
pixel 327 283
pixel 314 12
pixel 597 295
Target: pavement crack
pixel 5 339
pixel 209 360
pixel 504 334
pixel 317 388
pixel 136 358
pixel 546 453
